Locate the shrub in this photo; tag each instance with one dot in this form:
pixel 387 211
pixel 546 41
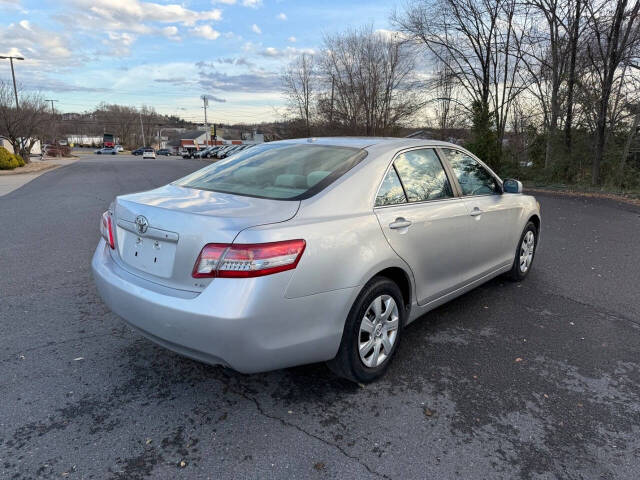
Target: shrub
pixel 8 161
pixel 20 160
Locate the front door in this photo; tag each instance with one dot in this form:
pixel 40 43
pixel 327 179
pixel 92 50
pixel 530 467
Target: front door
pixel 491 215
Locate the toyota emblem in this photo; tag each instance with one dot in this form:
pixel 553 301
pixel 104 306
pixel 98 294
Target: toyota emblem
pixel 142 223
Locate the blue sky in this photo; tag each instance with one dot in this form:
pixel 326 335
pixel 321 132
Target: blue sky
pixel 166 53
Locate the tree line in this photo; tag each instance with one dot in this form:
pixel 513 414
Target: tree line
pixel 540 88
pixel 34 120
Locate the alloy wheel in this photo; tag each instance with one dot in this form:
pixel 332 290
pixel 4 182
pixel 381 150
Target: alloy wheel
pixel 378 331
pixel 526 251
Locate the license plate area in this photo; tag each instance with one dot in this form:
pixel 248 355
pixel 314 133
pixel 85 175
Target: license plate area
pixel 150 255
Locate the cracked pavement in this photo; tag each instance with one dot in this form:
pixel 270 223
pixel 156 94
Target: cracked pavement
pixel 534 380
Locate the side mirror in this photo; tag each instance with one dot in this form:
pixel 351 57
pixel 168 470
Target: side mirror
pixel 511 185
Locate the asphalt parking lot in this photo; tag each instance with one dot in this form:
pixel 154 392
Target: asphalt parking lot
pixel 533 380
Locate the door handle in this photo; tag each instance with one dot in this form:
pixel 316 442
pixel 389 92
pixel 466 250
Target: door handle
pixel 400 223
pixel 475 212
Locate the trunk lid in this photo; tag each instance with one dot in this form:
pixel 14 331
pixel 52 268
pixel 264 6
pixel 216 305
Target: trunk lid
pixel 160 233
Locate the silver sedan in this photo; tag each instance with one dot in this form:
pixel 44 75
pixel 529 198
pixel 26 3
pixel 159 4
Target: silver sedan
pixel 311 250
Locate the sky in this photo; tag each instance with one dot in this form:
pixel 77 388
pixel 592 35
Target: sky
pixel 167 54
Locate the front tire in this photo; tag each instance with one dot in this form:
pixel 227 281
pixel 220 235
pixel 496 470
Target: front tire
pixel 525 253
pixel 371 333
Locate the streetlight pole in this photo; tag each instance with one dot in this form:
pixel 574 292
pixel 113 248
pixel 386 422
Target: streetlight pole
pixel 13 75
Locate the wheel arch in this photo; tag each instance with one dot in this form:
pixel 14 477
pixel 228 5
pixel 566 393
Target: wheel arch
pixel 401 278
pixel 535 218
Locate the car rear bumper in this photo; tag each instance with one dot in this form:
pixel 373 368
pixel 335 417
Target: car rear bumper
pixel 245 324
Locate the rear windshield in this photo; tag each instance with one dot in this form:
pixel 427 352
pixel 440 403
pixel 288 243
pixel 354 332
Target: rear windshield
pixel 277 171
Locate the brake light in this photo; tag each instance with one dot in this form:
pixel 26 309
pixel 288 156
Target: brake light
pixel 247 260
pixel 106 229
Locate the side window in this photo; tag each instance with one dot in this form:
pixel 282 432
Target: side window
pixel 391 192
pixel 473 178
pixel 423 176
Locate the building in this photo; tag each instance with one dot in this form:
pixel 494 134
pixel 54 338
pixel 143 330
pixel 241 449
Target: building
pixel 187 139
pixel 35 150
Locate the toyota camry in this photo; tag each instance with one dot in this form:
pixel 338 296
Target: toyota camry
pixel 311 250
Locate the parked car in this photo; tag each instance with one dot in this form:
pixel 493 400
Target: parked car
pixel 163 151
pixel 304 251
pixel 232 150
pixel 106 151
pixel 189 152
pixel 222 152
pixel 210 151
pixel 137 151
pixel 203 152
pixel 148 153
pixel 118 148
pixel 56 150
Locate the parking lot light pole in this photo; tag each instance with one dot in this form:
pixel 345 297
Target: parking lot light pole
pixel 13 75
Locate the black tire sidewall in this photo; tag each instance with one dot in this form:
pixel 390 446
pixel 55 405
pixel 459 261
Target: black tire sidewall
pixel 352 364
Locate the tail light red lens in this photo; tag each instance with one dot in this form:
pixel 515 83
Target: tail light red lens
pixel 248 260
pixel 106 229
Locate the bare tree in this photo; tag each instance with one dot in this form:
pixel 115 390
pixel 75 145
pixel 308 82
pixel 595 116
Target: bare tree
pixel 574 37
pixel 479 42
pixel 24 125
pixel 614 29
pixel 372 81
pixel 546 57
pixel 447 107
pixel 299 87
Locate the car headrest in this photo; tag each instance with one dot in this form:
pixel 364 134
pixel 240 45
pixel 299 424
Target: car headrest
pixel 316 176
pixel 248 174
pixel 291 180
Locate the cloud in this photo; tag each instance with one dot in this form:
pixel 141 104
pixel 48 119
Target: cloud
pixel 286 52
pixel 210 78
pixel 36 44
pixel 132 15
pixel 292 39
pixel 119 43
pixel 52 85
pixel 391 34
pixel 252 3
pixel 234 61
pixel 256 29
pixel 244 3
pixel 171 33
pixel 281 16
pixel 205 31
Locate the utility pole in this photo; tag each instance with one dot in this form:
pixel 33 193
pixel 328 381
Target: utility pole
pixel 53 114
pixel 13 75
pixel 144 144
pixel 15 89
pixel 205 101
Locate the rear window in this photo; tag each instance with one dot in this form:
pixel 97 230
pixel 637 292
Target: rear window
pixel 276 171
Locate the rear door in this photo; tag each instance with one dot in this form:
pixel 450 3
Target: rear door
pixel 424 222
pixel 491 215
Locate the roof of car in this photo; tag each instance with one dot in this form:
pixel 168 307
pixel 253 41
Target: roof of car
pixel 364 142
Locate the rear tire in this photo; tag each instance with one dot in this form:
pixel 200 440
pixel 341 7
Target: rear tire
pixel 525 253
pixel 371 333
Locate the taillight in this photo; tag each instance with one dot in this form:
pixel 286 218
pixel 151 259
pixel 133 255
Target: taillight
pixel 106 229
pixel 248 260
